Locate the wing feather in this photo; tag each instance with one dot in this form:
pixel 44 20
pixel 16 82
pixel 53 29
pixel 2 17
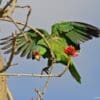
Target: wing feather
pixel 75 32
pixel 23 47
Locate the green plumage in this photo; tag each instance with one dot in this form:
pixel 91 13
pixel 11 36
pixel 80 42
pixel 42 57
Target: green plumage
pixel 57 45
pixel 62 35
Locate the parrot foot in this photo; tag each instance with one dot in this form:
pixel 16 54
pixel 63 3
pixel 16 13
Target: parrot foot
pixel 46 70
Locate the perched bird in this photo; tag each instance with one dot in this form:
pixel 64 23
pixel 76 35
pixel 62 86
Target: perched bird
pixel 64 40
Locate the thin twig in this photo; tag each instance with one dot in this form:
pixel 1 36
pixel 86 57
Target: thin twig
pixel 8 9
pixel 47 81
pixel 40 97
pixel 37 75
pixel 26 21
pixel 9 94
pixel 20 30
pixel 28 14
pixel 7 4
pixel 66 67
pixel 27 18
pixel 42 92
pixel 28 75
pixel 14 22
pixel 49 77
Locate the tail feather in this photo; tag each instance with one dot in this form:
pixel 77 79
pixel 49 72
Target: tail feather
pixel 75 73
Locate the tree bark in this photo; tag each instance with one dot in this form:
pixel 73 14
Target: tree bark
pixel 3 91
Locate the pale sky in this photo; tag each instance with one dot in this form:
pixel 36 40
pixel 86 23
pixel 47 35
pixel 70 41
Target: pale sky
pixel 44 14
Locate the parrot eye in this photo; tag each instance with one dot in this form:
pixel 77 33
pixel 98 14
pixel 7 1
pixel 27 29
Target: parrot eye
pixel 71 51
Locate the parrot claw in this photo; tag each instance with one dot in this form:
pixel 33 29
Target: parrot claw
pixel 46 70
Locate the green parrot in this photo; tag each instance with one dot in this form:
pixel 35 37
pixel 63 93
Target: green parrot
pixel 64 40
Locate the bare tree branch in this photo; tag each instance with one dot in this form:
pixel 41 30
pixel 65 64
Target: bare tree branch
pixel 14 22
pixel 28 75
pixel 28 14
pixel 33 75
pixel 8 9
pixel 9 94
pixel 26 21
pixel 40 96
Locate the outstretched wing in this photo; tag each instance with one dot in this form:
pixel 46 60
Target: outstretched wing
pixel 23 46
pixel 75 32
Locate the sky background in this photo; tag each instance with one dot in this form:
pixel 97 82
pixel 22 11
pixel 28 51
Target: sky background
pixel 44 14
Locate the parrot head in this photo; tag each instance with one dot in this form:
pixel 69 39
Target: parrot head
pixel 36 55
pixel 38 52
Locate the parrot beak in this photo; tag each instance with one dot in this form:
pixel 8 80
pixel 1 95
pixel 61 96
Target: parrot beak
pixel 37 57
